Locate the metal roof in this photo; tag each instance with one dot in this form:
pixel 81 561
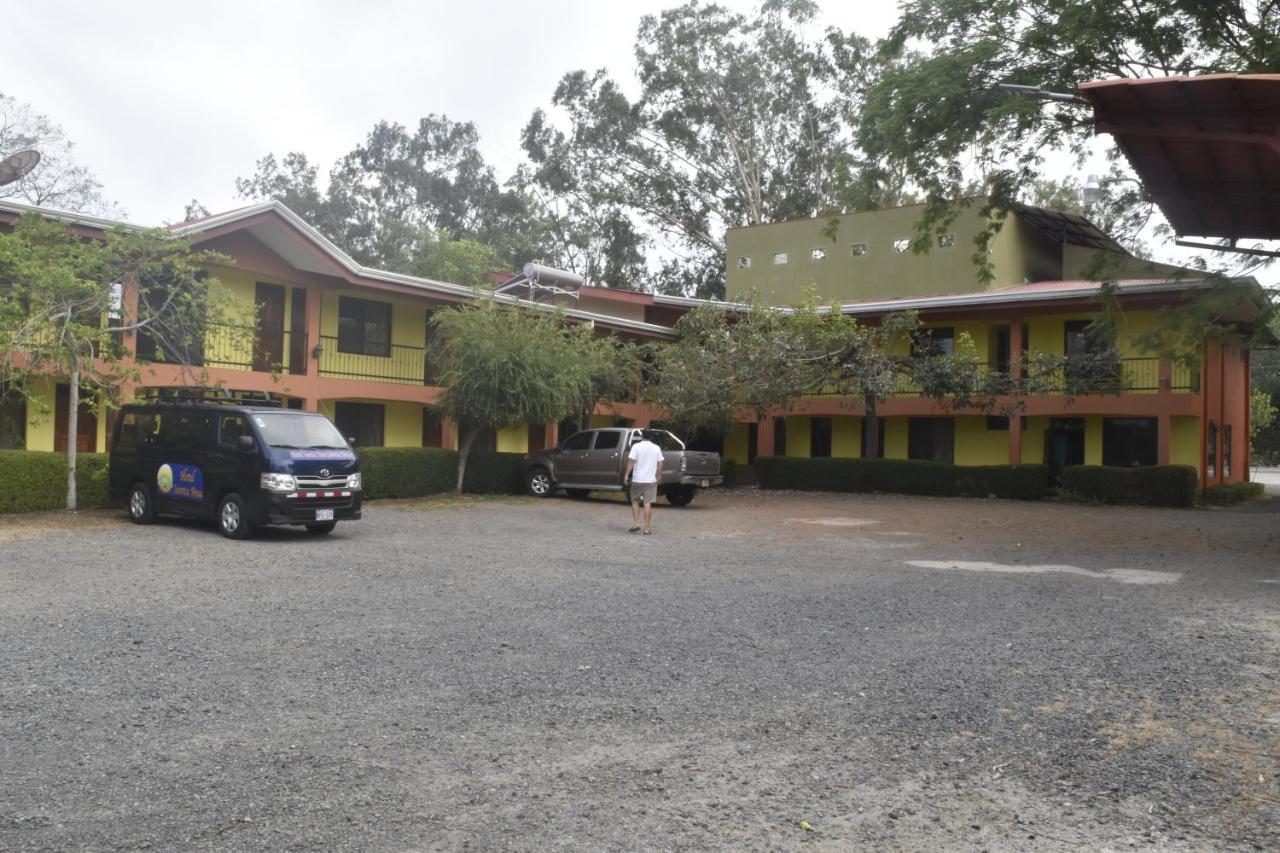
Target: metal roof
pixel 1207 148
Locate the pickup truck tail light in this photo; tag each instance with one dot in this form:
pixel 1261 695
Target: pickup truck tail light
pixel 684 463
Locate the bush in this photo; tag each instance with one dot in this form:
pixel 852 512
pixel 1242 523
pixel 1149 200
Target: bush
pixel 1158 485
pixel 407 472
pixel 494 474
pixel 91 481
pixel 729 470
pixel 1232 493
pixel 903 476
pixel 33 481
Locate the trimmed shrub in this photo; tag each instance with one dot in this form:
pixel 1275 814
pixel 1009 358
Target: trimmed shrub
pixel 1232 493
pixel 1157 485
pixel 407 472
pixel 91 481
pixel 729 469
pixel 903 476
pixel 494 474
pixel 33 481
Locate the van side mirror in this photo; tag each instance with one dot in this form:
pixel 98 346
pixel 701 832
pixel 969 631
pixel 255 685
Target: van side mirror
pixel 246 444
pixel 351 440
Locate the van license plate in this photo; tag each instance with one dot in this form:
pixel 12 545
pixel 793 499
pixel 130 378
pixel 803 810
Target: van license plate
pixel 324 515
pixel 706 483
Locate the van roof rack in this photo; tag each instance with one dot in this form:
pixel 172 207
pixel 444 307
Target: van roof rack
pixel 224 396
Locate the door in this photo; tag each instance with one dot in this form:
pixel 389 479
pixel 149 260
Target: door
pixel 268 349
pixel 603 465
pixel 1064 444
pixel 298 332
pixel 226 466
pixel 181 455
pixel 571 461
pixel 86 423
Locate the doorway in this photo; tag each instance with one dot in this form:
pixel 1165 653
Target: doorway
pixel 268 350
pixel 86 423
pixel 1064 444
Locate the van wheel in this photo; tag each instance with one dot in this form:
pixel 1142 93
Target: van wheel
pixel 680 495
pixel 539 483
pixel 233 517
pixel 324 528
pixel 141 509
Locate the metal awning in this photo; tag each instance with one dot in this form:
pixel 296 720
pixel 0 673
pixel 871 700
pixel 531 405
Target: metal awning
pixel 1206 148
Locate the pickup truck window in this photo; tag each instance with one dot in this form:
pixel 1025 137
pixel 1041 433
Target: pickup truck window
pixel 578 441
pixel 607 440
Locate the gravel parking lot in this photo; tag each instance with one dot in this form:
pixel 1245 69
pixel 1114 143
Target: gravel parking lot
pixel 766 671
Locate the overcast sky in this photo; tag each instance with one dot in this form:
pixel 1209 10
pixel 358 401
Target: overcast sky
pixel 172 101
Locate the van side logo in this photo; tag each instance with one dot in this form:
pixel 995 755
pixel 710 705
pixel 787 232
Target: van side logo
pixel 324 472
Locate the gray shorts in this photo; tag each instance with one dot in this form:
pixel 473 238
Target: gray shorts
pixel 644 493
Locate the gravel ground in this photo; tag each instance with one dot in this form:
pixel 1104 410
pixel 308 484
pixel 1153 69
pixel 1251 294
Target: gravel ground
pixel 767 671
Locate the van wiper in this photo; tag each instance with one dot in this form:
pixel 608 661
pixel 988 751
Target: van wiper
pixel 287 446
pixel 326 447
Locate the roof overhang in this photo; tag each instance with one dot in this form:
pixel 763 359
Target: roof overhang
pixel 1206 148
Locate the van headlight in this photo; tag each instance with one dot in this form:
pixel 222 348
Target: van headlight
pixel 279 482
pixel 353 481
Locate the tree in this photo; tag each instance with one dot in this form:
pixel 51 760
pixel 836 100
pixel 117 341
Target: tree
pixel 58 181
pixel 929 109
pixel 63 311
pixel 763 360
pixel 458 261
pixel 735 124
pixel 505 367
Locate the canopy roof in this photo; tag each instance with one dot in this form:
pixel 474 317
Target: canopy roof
pixel 1207 148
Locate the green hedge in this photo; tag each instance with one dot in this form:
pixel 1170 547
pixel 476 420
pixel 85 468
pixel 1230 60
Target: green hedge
pixel 729 470
pixel 35 481
pixel 1158 485
pixel 1232 493
pixel 903 476
pixel 414 472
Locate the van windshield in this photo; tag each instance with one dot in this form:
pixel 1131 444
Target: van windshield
pixel 299 432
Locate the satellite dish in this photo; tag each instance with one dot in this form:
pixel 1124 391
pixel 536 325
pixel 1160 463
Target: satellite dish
pixel 18 164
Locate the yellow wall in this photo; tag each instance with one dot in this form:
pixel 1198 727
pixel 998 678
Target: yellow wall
pixel 977 445
pixel 846 437
pixel 1184 441
pixel 402 425
pixel 1033 439
pixel 1093 440
pixel 40 426
pixel 737 443
pixel 895 438
pixel 408 329
pixel 514 440
pixel 235 351
pixel 798 436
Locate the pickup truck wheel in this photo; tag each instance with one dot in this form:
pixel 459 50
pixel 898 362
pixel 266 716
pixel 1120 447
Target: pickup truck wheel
pixel 539 483
pixel 577 493
pixel 680 495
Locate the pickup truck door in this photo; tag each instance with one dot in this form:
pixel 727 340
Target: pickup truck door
pixel 571 461
pixel 604 463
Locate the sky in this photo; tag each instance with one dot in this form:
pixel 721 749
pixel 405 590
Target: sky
pixel 167 101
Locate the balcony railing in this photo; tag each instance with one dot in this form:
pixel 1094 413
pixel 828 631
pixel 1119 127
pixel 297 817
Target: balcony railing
pixel 232 348
pixel 403 365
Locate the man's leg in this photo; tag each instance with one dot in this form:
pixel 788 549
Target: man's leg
pixel 635 513
pixel 648 515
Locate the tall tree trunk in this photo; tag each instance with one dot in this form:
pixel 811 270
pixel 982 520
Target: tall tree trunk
pixel 871 428
pixel 464 450
pixel 73 418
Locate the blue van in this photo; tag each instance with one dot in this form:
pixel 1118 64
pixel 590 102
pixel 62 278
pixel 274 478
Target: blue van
pixel 239 461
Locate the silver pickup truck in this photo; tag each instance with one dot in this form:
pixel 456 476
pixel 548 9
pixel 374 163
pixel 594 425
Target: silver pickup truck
pixel 595 460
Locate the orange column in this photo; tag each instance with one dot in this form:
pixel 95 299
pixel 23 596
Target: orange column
pixel 764 437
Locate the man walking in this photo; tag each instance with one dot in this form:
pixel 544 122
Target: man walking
pixel 644 467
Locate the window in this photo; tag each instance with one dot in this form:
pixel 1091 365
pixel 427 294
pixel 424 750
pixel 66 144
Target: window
pixel 1128 442
pixel 230 429
pixel 13 423
pixel 929 342
pixel 998 423
pixel 780 258
pixel 607 440
pixel 361 421
pixel 578 441
pixel 364 327
pixel 901 246
pixel 1226 452
pixel 946 241
pixel 933 439
pixel 820 437
pixel 818 254
pixel 858 249
pixel 432 429
pixel 1211 452
pixel 744 263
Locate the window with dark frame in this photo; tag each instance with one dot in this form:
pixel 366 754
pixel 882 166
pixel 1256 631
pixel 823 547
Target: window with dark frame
pixel 364 327
pixel 362 421
pixel 1129 442
pixel 820 438
pixel 933 439
pixel 941 341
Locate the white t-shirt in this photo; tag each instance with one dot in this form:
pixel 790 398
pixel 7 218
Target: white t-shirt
pixel 646 455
